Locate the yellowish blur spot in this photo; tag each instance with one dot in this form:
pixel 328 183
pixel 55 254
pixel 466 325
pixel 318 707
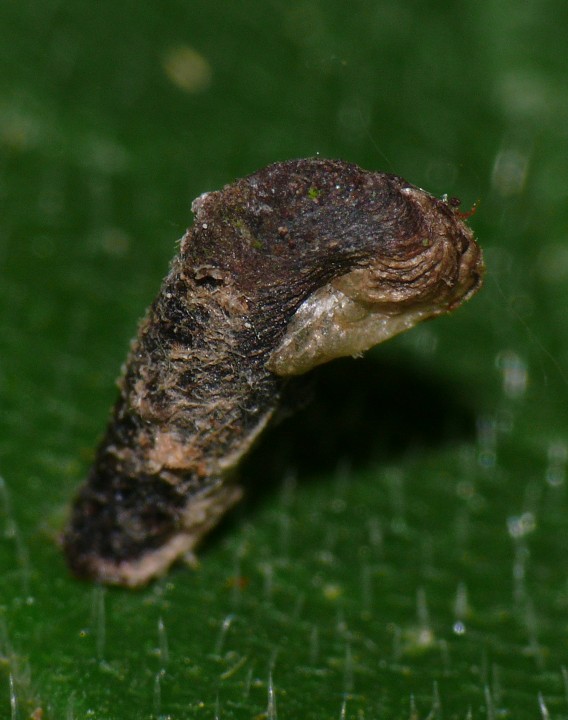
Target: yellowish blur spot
pixel 332 591
pixel 187 69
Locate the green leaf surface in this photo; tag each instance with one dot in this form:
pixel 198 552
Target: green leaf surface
pixel 402 550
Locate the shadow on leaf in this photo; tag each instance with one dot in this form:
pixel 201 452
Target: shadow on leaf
pixel 356 413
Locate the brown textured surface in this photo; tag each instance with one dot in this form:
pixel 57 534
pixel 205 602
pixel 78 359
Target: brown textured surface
pixel 197 389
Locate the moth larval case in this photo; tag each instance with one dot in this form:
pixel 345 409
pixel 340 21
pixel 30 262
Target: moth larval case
pixel 297 264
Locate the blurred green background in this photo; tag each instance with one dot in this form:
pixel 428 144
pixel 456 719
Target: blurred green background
pixel 402 553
